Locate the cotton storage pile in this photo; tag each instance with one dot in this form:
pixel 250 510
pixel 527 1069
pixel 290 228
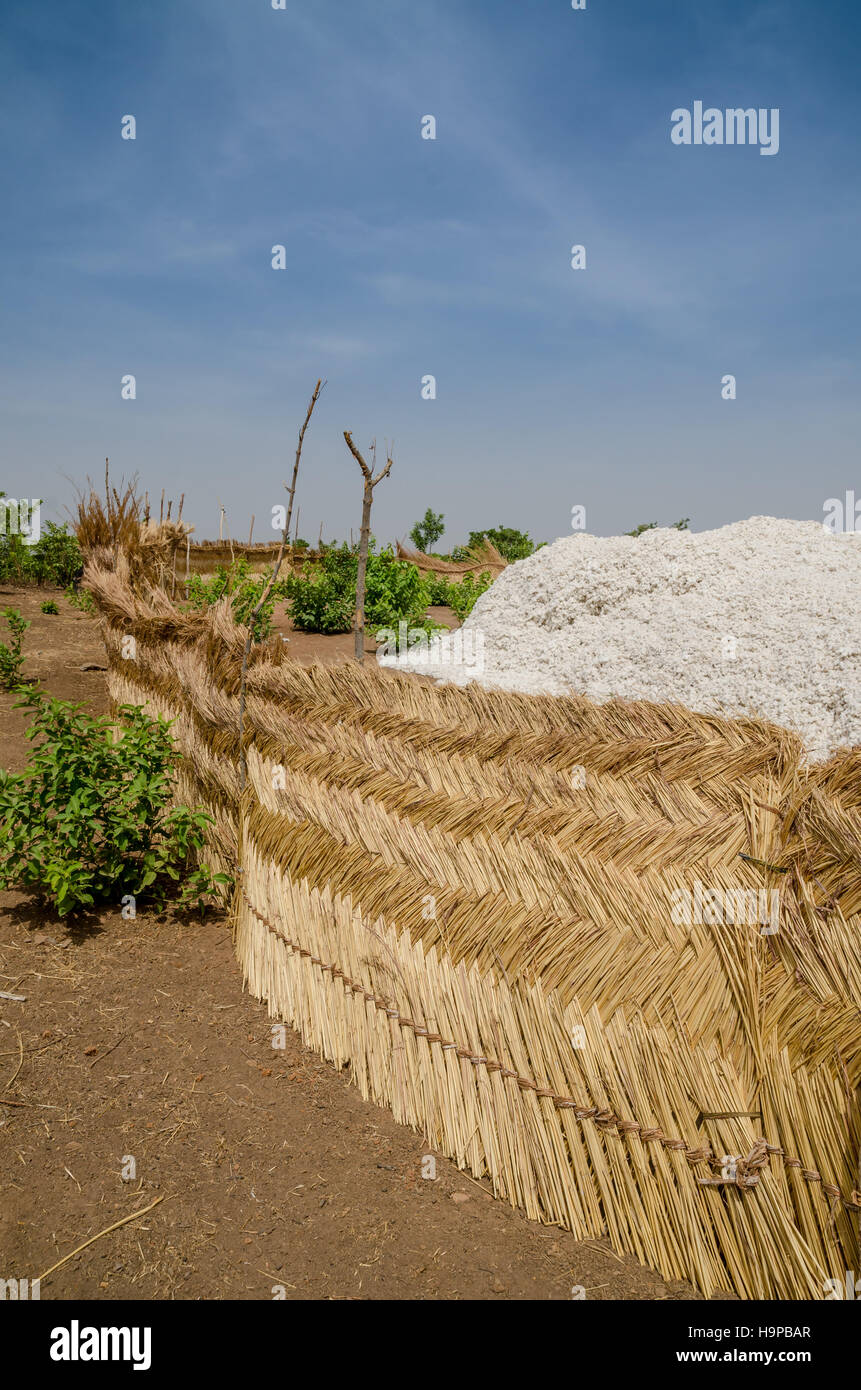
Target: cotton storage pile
pixel 759 618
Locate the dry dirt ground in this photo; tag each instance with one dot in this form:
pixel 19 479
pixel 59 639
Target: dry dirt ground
pixel 137 1042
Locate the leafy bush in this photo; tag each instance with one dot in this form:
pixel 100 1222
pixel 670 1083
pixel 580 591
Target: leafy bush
pixel 438 587
pixel 11 659
pixel 49 606
pixel 57 556
pixel 90 821
pixel 244 589
pixel 54 559
pixel 462 596
pixel 323 598
pixel 395 592
pixel 512 544
pixel 81 599
pixel 427 532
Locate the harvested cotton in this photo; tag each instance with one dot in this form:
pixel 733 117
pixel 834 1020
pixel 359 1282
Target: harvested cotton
pixel 762 617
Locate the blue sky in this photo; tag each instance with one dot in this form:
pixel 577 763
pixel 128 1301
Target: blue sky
pixel 451 257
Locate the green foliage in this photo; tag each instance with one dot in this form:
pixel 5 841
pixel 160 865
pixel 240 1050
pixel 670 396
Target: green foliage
pixel 244 589
pixel 54 559
pixel 427 532
pixel 652 526
pixel 49 606
pixel 395 592
pixel 460 597
pixel 512 544
pixel 57 557
pixel 90 818
pixel 11 659
pixel 438 587
pixel 81 599
pixel 323 597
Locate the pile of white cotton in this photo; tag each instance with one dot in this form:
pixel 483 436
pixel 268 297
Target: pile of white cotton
pixel 762 617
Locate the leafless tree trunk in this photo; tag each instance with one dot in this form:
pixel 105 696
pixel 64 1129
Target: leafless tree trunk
pixel 370 482
pixel 267 589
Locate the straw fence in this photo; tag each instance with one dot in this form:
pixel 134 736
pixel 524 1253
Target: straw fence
pixel 431 891
pixel 204 557
pixel 482 558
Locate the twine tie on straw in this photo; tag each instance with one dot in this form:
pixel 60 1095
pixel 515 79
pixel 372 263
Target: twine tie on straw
pixel 747 1169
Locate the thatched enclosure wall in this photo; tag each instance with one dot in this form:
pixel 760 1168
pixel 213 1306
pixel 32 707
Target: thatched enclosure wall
pixel 482 558
pixel 204 557
pixel 430 890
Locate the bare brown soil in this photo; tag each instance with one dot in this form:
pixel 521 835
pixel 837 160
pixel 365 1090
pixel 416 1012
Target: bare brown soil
pixel 137 1041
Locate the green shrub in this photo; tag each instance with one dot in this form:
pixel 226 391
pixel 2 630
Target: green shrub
pixel 11 659
pixel 512 544
pixel 462 596
pixel 81 599
pixel 438 587
pixel 54 559
pixel 49 606
pixel 57 557
pixel 90 819
pixel 244 589
pixel 395 592
pixel 323 597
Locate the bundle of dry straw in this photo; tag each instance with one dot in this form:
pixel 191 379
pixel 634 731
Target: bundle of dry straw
pixel 114 530
pixel 484 557
pixel 477 900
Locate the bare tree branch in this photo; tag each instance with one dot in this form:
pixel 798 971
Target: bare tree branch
pixel 267 589
pixel 292 489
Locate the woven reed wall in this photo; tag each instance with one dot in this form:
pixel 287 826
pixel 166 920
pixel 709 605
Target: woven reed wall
pixel 426 893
